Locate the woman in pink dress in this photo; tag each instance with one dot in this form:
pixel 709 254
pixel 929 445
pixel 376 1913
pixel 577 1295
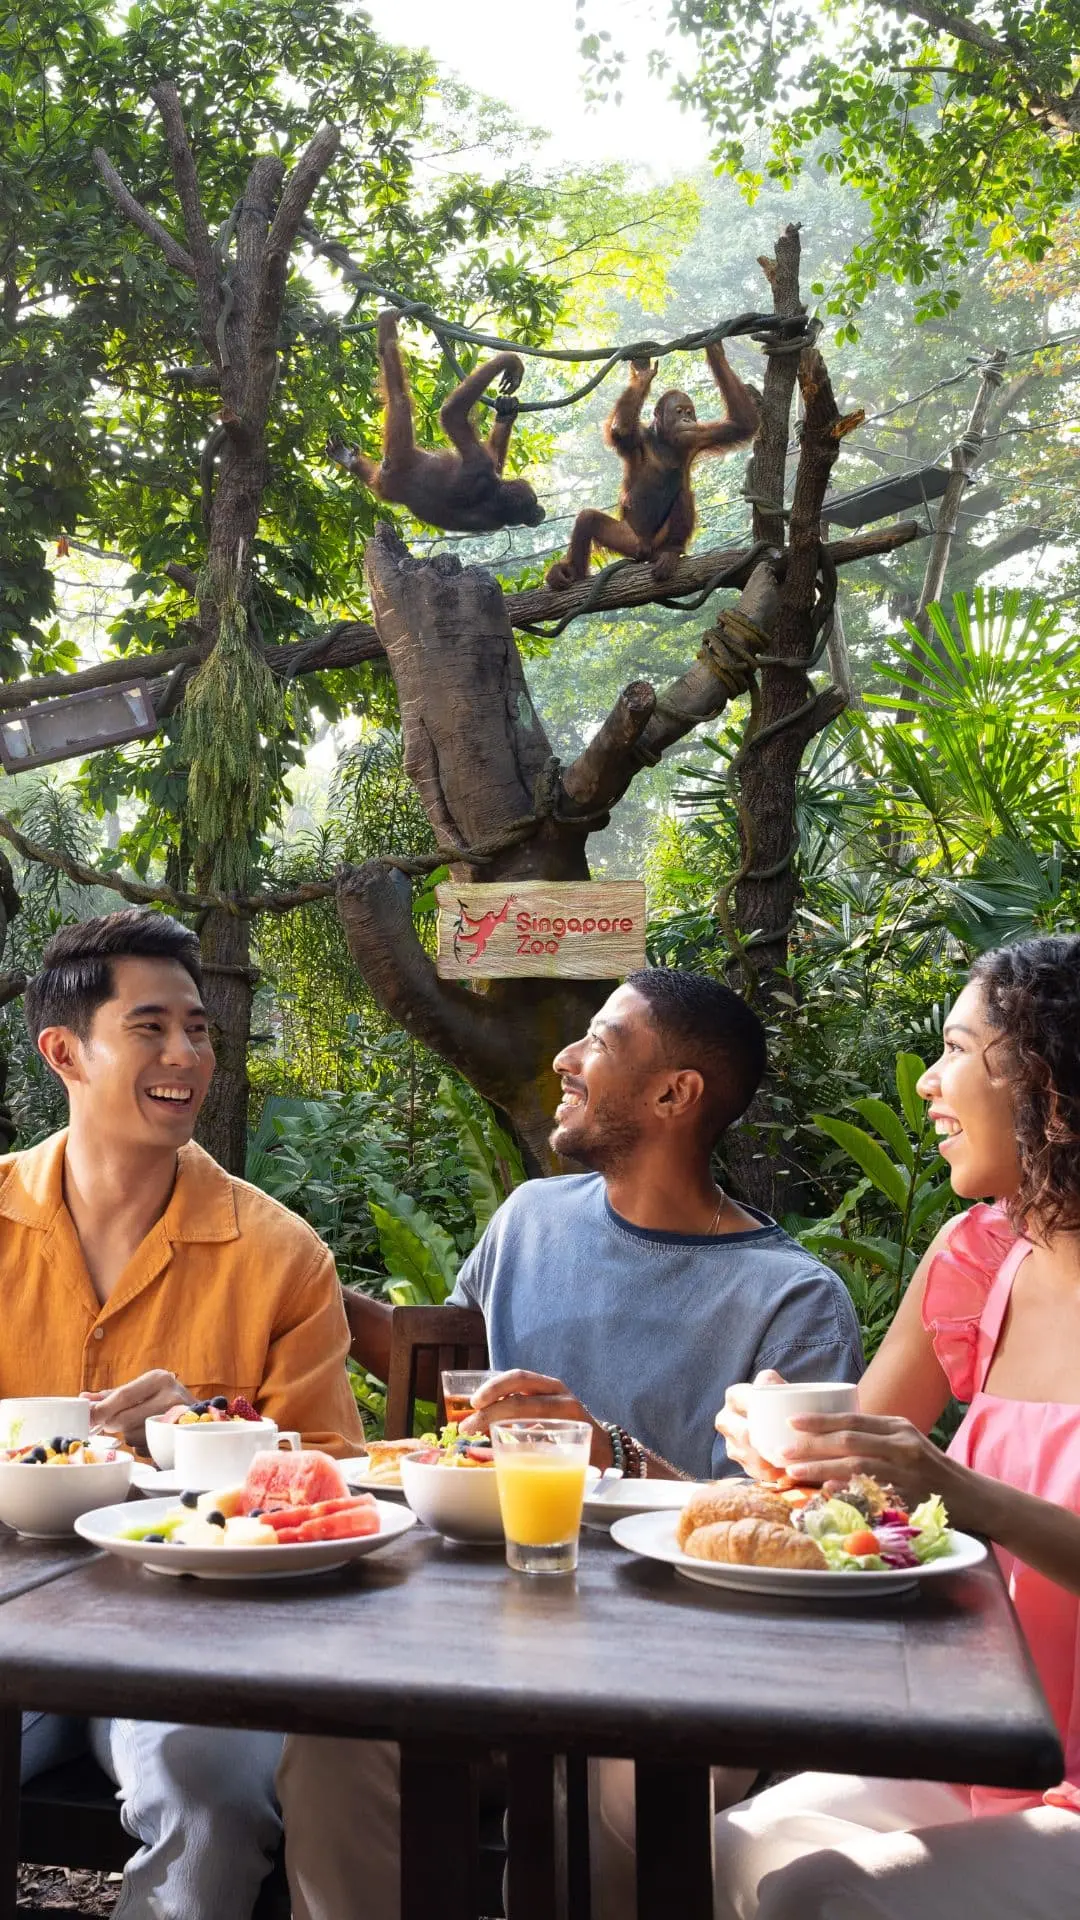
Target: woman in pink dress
pixel 992 1315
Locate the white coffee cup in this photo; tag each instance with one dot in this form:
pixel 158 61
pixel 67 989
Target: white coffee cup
pixel 769 1409
pixel 219 1452
pixel 34 1422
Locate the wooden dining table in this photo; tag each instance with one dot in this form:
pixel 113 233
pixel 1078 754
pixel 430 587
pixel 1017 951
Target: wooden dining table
pixel 447 1651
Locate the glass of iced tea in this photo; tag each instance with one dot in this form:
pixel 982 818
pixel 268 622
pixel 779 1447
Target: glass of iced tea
pixel 458 1389
pixel 540 1472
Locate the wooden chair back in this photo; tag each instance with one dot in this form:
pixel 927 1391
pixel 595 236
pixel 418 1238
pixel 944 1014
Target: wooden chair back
pixel 431 1339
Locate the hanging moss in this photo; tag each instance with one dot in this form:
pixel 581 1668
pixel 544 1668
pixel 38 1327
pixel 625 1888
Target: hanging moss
pixel 232 706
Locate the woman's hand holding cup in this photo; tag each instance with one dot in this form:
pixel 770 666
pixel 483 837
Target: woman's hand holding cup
pixel 756 1420
pixel 733 1422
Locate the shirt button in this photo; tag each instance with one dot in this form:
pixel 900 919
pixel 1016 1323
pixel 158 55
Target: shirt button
pixel 99 1333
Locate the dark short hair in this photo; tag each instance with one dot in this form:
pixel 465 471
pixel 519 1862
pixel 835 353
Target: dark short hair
pixel 76 978
pixel 704 1025
pixel 1032 994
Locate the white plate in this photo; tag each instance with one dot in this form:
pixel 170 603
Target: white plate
pixel 104 1527
pixel 615 1499
pixel 653 1536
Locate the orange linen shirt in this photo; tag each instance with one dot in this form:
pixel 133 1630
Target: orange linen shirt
pixel 229 1291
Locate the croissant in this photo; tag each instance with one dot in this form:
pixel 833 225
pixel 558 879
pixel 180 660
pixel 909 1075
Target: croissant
pixel 730 1500
pixel 754 1543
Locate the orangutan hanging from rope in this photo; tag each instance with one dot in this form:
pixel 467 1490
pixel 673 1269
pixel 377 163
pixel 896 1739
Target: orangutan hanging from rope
pixel 463 491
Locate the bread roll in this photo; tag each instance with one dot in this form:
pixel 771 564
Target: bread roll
pixel 754 1543
pixel 730 1500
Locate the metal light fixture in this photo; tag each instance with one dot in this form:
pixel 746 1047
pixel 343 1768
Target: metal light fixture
pixel 77 724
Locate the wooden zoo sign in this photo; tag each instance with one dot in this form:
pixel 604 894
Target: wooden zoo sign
pixel 579 931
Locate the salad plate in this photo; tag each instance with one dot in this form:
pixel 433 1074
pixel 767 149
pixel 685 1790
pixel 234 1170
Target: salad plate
pixel 652 1535
pixel 106 1527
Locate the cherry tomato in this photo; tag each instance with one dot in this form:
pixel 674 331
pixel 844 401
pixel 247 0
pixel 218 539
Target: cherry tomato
pixel 865 1542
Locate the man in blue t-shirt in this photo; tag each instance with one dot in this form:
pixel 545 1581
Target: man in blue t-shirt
pixel 633 1296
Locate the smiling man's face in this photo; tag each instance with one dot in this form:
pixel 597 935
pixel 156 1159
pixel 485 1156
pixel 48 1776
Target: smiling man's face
pixel 141 1074
pixel 609 1084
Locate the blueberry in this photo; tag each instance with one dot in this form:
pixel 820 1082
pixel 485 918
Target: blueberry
pixel 256 1513
pixel 215 1519
pixel 220 1402
pixel 200 1406
pixel 38 1456
pixel 153 1539
pixel 59 1445
pixel 189 1499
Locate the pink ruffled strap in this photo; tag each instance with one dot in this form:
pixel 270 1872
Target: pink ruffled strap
pixel 960 1277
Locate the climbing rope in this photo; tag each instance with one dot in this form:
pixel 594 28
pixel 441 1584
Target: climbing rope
pixel 794 332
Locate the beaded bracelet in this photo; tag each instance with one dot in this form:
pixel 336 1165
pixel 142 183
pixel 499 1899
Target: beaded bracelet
pixel 627 1454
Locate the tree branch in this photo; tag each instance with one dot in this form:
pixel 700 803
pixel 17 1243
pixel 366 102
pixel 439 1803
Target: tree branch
pixel 767 467
pixel 376 913
pixel 167 101
pixel 269 292
pixel 350 643
pixel 597 770
pixel 174 253
pixel 1002 53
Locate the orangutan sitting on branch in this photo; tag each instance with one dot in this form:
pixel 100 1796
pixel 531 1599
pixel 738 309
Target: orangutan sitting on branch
pixel 656 506
pixel 464 491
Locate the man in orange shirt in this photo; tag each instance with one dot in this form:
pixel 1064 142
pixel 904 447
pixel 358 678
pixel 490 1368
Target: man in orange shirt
pixel 135 1270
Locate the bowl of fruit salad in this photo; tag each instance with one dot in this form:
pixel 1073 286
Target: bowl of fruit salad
pixel 450 1486
pixel 161 1427
pixel 44 1489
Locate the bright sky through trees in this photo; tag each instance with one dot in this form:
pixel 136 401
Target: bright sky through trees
pixel 535 67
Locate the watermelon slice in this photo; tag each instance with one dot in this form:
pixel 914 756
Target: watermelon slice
pixel 280 1517
pixel 293 1479
pixel 333 1526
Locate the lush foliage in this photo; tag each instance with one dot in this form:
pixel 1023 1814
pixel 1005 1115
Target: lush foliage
pixel 957 124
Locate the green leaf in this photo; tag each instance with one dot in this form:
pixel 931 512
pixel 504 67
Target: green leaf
pixel 909 1070
pixel 420 1256
pixel 868 1155
pixel 890 1126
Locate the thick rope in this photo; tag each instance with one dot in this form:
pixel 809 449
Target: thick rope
pixel 761 326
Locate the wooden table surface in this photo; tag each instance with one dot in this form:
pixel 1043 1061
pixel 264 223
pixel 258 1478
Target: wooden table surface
pixel 27 1564
pixel 438 1643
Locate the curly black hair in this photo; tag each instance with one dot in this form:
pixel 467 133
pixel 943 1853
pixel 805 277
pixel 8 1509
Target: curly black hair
pixel 1032 994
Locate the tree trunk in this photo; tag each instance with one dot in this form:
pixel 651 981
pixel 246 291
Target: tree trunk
pixel 228 985
pixel 785 715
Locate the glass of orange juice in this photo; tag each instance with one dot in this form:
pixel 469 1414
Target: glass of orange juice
pixel 540 1471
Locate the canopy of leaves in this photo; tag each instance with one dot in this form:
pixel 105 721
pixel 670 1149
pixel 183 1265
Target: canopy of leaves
pixel 102 416
pixel 953 121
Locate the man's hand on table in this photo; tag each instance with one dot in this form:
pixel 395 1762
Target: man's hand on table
pixel 125 1410
pixel 520 1395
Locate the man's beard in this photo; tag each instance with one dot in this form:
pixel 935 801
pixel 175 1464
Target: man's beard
pixel 604 1145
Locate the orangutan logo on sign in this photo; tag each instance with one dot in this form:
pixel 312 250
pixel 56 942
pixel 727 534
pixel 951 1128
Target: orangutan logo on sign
pixel 470 932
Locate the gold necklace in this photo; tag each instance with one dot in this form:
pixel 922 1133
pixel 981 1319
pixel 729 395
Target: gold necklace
pixel 719 1214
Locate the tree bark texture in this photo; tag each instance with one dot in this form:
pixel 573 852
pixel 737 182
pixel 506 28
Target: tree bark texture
pixel 228 985
pixel 786 713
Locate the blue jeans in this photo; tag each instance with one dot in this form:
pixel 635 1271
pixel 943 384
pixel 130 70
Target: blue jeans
pixel 200 1800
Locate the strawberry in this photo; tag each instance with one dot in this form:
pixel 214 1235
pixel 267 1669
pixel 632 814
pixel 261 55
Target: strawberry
pixel 241 1409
